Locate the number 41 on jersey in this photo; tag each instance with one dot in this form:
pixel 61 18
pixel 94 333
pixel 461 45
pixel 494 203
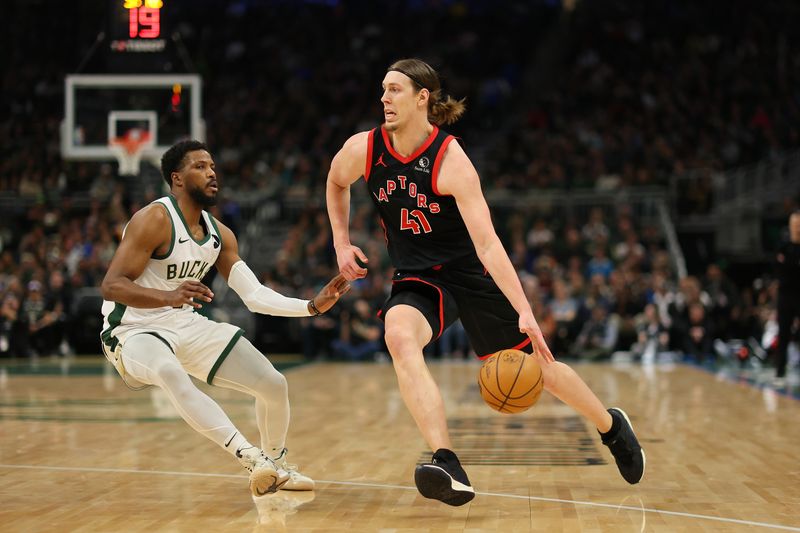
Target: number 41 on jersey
pixel 407 221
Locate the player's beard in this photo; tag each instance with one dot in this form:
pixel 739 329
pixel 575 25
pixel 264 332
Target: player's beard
pixel 204 200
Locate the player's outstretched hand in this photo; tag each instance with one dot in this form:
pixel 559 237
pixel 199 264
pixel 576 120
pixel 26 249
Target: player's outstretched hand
pixel 190 292
pixel 330 293
pixel 352 262
pixel 529 326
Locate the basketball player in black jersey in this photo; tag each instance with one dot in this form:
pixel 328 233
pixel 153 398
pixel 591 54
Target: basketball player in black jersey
pixel 449 264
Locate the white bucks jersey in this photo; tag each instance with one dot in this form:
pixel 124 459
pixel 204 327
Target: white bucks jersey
pixel 187 258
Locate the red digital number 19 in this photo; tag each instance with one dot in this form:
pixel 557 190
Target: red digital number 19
pixel 144 22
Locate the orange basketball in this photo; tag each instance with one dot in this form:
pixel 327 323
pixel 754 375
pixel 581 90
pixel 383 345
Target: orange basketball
pixel 510 381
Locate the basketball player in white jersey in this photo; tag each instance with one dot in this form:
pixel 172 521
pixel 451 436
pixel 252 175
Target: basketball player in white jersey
pixel 153 335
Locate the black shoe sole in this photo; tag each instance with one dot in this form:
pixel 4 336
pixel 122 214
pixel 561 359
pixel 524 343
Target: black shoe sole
pixel 434 483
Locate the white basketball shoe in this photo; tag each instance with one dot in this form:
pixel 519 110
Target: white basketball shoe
pixel 265 476
pixel 297 481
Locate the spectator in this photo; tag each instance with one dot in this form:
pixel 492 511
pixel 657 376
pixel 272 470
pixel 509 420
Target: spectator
pixel 598 337
pixel 662 296
pixel 539 235
pixel 570 245
pixel 59 304
pixel 454 343
pixel 103 185
pixel 599 263
pixel 13 334
pixel 652 336
pixel 596 227
pixel 361 334
pixel 698 336
pixel 689 293
pixel 318 335
pixel 724 307
pixel 766 311
pixel 630 254
pixel 564 310
pixel 44 330
pixel 597 294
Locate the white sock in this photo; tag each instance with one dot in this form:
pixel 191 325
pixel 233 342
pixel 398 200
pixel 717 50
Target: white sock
pixel 235 442
pixel 274 453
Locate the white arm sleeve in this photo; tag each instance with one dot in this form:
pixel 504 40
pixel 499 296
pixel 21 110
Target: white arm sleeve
pixel 261 299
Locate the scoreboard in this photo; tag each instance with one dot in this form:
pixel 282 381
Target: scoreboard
pixel 137 26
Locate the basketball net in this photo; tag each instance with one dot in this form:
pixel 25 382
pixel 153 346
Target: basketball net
pixel 128 150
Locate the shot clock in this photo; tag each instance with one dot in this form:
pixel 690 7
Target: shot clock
pixel 137 26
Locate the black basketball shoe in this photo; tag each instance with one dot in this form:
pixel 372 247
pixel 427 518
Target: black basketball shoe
pixel 443 479
pixel 625 447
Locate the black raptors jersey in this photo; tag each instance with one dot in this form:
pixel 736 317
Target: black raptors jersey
pixel 422 228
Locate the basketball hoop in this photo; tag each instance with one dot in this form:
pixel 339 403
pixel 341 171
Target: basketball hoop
pixel 128 150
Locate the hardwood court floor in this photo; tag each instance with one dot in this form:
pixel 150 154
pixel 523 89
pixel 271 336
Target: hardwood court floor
pixel 83 453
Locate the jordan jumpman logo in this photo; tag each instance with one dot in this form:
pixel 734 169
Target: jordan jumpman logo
pixel 380 161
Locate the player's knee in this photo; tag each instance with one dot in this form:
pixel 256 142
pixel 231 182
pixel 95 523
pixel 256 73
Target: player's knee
pixel 400 341
pixel 173 378
pixel 271 383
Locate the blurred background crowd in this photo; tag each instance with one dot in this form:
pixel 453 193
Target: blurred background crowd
pixel 579 116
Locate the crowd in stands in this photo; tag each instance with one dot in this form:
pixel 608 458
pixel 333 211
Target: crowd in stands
pixel 650 92
pixel 643 94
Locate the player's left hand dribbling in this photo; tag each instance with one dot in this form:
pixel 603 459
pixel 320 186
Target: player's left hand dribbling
pixel 529 326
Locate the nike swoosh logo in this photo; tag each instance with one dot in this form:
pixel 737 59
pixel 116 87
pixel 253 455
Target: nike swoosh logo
pixel 181 241
pixel 231 439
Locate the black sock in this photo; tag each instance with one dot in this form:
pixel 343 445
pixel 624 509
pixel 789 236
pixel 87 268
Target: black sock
pixel 615 425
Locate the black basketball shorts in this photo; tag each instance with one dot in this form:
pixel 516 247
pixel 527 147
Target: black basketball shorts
pixel 461 289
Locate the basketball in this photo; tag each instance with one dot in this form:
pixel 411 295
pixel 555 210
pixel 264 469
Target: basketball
pixel 510 381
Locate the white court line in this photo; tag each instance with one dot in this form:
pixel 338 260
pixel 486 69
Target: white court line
pixel 402 487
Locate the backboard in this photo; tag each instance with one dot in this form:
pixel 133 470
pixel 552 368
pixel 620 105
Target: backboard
pixel 100 108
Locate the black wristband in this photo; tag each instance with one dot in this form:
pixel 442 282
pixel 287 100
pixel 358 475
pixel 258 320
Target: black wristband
pixel 313 307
